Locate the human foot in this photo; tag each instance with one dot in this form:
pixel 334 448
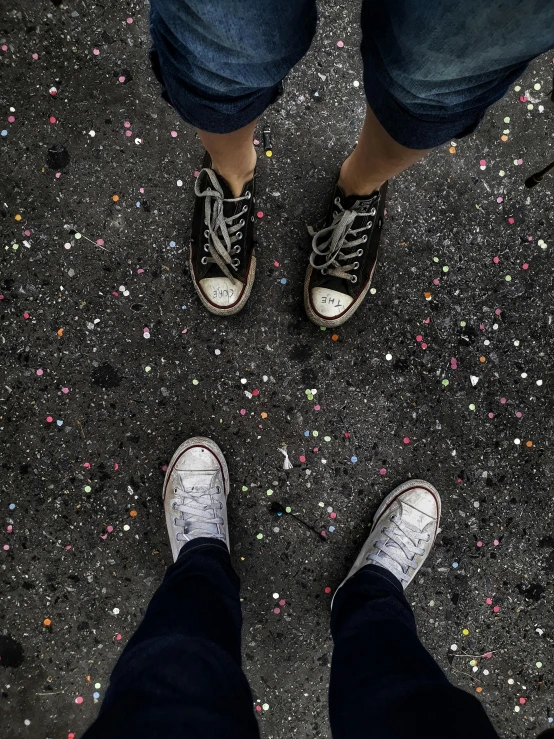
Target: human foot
pixel 222 248
pixel 195 493
pixel 403 532
pixel 344 257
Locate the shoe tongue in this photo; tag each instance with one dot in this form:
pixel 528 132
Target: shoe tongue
pixel 362 204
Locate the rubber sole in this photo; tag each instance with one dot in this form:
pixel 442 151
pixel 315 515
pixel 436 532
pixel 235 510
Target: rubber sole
pixel 233 310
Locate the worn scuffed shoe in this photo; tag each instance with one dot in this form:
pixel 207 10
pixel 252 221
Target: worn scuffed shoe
pixel 222 246
pixel 195 493
pixel 344 257
pixel 403 532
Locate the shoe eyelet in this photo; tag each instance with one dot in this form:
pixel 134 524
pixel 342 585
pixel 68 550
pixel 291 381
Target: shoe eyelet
pixel 252 219
pixel 237 249
pixel 206 247
pixel 360 253
pixel 353 279
pixel 235 263
pixel 337 201
pixel 239 235
pixel 244 209
pixel 334 214
pixel 204 260
pixel 205 222
pixel 356 265
pixel 324 271
pixel 372 212
pixel 248 195
pixel 365 238
pixel 241 222
pixel 206 234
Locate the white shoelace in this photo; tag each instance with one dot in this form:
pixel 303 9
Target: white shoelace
pixel 222 234
pixel 331 243
pixel 195 505
pixel 399 545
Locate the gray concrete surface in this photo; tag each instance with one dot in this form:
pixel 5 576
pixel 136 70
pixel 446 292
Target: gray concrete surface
pixel 73 350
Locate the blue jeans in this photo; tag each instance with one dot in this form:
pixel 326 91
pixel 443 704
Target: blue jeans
pixel 431 67
pixel 180 675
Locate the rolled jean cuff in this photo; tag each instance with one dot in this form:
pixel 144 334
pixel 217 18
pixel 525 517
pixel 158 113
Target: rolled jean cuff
pixel 208 111
pixel 417 132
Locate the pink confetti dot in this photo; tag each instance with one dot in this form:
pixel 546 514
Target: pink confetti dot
pixel 496 259
pixel 34 56
pixel 496 542
pixel 498 311
pixel 276 264
pixel 482 326
pixel 503 401
pixel 100 242
pixel 346 435
pixel 86 465
pixel 129 21
pixel 302 458
pixel 40 372
pixel 58 175
pixel 499 199
pixel 424 345
pixel 256 142
pixel 483 163
pixel 174 134
pixel 164 468
pixel 525 266
pixel 427 320
pixel 479 543
pixel 26 316
pixel 332 515
pixel 141 190
pixel 491 415
pixel 243 411
pixel 406 440
pixel 419 337
pixel 53 92
pixel 79 699
pixel 511 220
pixel 4 47
pixel 520 161
pixel 315 449
pixel 519 414
pixel 121 79
pixel 49 419
pixel 496 609
pixel 109 529
pixel 255 392
pixel 277 611
pixel 340 44
pixel 488 655
pixel 11 119
pixel 9 529
pixel 127 124
pixel 522 99
pixel 523 701
pixel 260 214
pixel 327 590
pixel 436 281
pixel 382 471
pixel 453 363
pixel 258 709
pixel 196 173
pixel 118 637
pixel 96 52
pixel 65 390
pixel 282 602
pixel 27 232
pixel 317 407
pixel 6 547
pixel 489 601
pixel 68 547
pixel 52 119
pixel 115 466
pixel 128 133
pixel 115 293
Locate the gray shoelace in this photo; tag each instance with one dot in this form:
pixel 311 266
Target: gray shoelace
pixel 332 244
pixel 222 234
pixel 199 510
pixel 399 544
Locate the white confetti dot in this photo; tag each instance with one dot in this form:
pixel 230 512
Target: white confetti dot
pixel 126 527
pixel 92 134
pixel 524 375
pixel 539 382
pixel 275 595
pixel 485 672
pixel 115 611
pixel 388 357
pixel 517 441
pixel 510 681
pixel 356 83
pixel 179 183
pixel 454 647
pixel 217 352
pixel 517 709
pixel 516 342
pixel 243 380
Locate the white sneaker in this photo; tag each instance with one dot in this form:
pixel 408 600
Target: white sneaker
pixel 403 532
pixel 195 493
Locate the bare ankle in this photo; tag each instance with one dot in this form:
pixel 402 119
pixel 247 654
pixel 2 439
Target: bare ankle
pixel 236 176
pixel 352 184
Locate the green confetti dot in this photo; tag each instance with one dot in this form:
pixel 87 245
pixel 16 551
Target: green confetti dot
pixel 88 488
pixel 537 86
pixel 462 324
pixel 260 536
pixel 472 406
pixel 244 488
pixel 502 173
pixel 323 328
pixel 435 259
pixel 269 491
pixel 507 119
pixel 530 106
pixel 445 382
pixel 517 88
pixel 508 278
pixel 15 246
pixel 539 665
pixel 315 433
pixel 77 236
pixel 327 438
pixel 147 368
pixel 195 382
pixel 515 161
pixel 288 509
pixel 266 706
pixel 445 268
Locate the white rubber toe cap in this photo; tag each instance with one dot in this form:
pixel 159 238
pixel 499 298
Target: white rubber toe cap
pixel 329 303
pixel 221 291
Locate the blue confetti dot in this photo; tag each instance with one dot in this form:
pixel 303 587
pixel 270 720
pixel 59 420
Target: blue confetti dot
pixel 59 422
pixel 283 280
pixel 11 506
pixel 550 719
pixel 280 513
pixel 4 132
pixel 96 695
pixel 353 460
pixel 331 529
pixel 172 244
pixel 183 307
pixel 455 565
pixel 138 203
pixel 306 433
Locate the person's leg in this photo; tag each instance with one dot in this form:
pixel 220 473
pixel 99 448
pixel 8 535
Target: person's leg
pixel 384 684
pixel 180 674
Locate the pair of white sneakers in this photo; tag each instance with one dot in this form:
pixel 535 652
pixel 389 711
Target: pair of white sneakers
pixel 195 494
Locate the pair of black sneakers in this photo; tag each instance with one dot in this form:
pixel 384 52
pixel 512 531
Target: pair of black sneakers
pixel 223 250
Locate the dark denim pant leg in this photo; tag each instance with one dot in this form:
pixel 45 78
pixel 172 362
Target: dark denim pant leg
pixel 180 674
pixel 384 683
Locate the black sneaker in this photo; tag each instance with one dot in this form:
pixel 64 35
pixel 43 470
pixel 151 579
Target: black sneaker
pixel 344 257
pixel 222 245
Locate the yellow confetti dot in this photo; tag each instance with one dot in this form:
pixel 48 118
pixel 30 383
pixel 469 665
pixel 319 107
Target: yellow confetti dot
pixel 47 622
pixel 133 513
pixel 60 331
pixel 529 443
pixel 18 217
pixel 465 632
pixel 269 153
pixel 263 414
pixel 452 150
pixel 503 137
pixel 482 359
pixel 478 690
pixel 115 198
